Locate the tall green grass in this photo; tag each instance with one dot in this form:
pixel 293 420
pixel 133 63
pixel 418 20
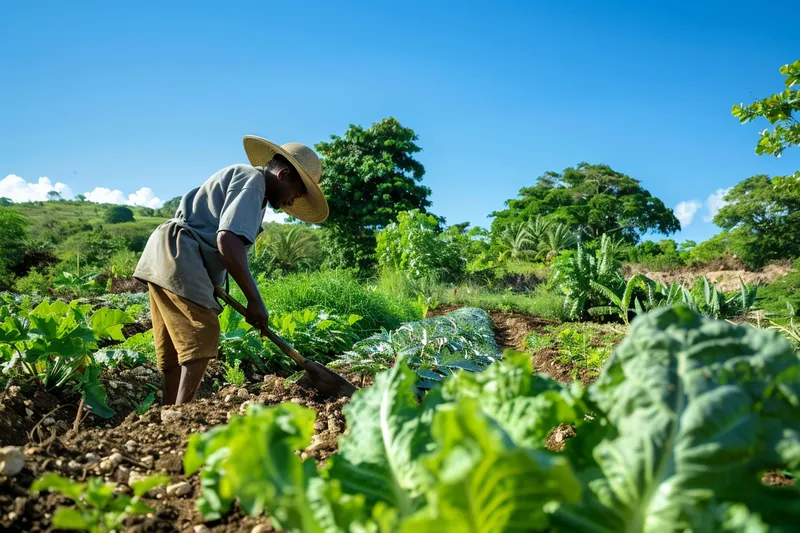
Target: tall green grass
pixel 543 301
pixel 340 293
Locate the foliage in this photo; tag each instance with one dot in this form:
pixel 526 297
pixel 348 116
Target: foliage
pixel 145 405
pixel 97 507
pixel 53 345
pixel 686 416
pixel 415 244
pixel 338 293
pixel 233 374
pixel 13 228
pixel 118 213
pixel 762 217
pixel 433 347
pixel 286 249
pixel 313 332
pixel 122 264
pixel 784 290
pixel 579 276
pixel 621 303
pixel 75 285
pixel 34 282
pixel 660 256
pixel 369 176
pixel 592 198
pixel 779 110
pixel 170 206
pixel 577 351
pixel 545 300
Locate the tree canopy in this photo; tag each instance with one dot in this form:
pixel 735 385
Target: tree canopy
pixel 762 219
pixel 369 176
pixel 594 199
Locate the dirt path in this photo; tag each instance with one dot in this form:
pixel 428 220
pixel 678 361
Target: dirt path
pixel 148 444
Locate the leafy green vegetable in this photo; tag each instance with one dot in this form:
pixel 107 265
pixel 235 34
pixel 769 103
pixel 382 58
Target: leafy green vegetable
pixel 98 509
pixel 433 347
pixel 674 436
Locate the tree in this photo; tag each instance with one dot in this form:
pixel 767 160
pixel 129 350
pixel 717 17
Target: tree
pixel 778 109
pixel 369 177
pixel 118 213
pixel 170 206
pixel 5 202
pixel 762 220
pixel 595 200
pixel 81 197
pixel 54 196
pixel 13 228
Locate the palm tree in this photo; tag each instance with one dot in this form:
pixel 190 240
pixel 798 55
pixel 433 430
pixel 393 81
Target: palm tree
pixel 537 228
pixel 287 250
pixel 517 241
pixel 558 237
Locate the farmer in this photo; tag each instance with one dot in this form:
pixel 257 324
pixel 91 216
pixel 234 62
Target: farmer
pixel 209 236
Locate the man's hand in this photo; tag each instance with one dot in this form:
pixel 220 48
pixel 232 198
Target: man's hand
pixel 257 315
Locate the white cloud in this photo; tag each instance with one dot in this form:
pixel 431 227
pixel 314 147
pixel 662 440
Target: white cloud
pixel 685 212
pixel 19 190
pixel 143 197
pixel 272 216
pixel 714 203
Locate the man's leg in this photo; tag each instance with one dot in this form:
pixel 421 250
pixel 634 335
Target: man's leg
pixel 192 373
pixel 166 354
pixel 194 331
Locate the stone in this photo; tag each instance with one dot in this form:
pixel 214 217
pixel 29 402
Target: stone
pixel 12 460
pixel 91 458
pixel 296 400
pixel 135 477
pixel 28 412
pixel 130 446
pixel 148 461
pixel 74 465
pixel 319 425
pixel 201 529
pixel 242 393
pixel 179 489
pixel 49 421
pixel 260 528
pixel 227 398
pixel 113 384
pixel 170 415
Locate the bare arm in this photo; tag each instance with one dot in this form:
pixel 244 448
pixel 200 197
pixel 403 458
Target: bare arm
pixel 234 259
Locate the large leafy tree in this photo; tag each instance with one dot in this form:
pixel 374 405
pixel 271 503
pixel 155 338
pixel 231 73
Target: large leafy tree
pixel 762 220
pixel 369 176
pixel 594 199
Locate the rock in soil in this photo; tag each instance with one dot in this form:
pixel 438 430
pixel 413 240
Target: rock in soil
pixel 12 460
pixel 170 415
pixel 179 489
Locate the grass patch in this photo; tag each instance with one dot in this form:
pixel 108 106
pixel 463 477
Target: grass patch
pixel 582 345
pixel 543 301
pixel 337 292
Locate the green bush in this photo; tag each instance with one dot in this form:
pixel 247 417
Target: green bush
pixel 337 292
pixel 117 214
pixel 34 282
pixel 773 297
pixel 123 263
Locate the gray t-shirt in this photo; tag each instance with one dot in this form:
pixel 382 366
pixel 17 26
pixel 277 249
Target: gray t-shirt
pixel 182 256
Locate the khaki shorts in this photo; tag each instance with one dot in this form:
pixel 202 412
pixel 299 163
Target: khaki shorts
pixel 182 330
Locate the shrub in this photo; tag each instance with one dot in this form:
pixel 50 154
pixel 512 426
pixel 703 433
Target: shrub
pixel 123 263
pixel 34 282
pixel 117 214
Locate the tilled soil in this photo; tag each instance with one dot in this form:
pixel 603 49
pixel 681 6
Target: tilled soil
pixel 153 443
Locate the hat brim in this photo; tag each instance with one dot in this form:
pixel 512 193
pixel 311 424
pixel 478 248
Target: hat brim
pixel 311 207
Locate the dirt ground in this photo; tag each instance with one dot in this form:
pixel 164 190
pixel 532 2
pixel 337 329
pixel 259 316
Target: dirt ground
pixel 725 276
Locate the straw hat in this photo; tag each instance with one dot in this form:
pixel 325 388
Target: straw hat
pixel 312 207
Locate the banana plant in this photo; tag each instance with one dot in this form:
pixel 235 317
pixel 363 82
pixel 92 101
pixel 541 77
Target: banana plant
pixel 621 305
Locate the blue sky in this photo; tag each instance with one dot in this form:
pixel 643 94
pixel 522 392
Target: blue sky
pixel 158 95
